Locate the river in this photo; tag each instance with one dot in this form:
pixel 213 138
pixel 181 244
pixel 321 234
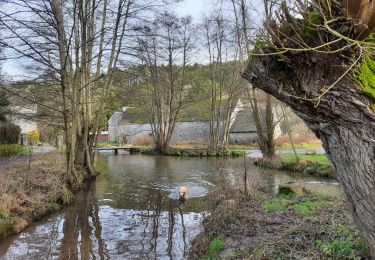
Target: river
pixel 132 210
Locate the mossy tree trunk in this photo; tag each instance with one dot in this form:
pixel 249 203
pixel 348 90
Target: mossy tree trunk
pixel 343 120
pixel 319 63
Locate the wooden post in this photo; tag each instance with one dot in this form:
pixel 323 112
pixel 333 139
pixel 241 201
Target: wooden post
pixel 116 151
pixel 245 174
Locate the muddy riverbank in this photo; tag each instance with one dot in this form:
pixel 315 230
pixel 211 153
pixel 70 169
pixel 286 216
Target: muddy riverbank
pixel 257 225
pixel 30 190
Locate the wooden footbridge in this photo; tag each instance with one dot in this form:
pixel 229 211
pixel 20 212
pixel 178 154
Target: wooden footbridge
pixel 122 148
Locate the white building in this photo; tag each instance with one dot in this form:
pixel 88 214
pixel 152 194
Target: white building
pixel 128 126
pixel 24 117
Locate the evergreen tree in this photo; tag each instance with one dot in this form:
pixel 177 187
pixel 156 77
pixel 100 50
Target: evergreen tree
pixel 4 103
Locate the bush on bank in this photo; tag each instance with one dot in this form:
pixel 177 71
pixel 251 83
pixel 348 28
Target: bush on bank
pixel 317 165
pixel 10 149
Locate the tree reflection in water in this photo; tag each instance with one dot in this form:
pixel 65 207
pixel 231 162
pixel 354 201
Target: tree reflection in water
pixel 79 222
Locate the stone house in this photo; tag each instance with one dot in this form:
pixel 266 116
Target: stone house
pixel 24 117
pixel 243 129
pixel 129 127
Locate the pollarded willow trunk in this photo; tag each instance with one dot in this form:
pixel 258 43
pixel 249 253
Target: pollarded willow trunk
pixel 343 120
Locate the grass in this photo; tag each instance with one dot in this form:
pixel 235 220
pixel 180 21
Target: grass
pixel 108 144
pixel 318 158
pixel 288 146
pixel 344 244
pixel 276 204
pixel 303 206
pixel 214 248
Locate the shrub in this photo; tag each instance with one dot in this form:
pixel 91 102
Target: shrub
pixel 33 137
pixel 9 133
pixel 10 149
pixel 144 140
pixel 310 170
pixel 325 170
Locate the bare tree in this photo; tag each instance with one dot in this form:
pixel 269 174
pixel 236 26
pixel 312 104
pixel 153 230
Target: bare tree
pixel 224 81
pixel 265 131
pixel 62 38
pixel 165 49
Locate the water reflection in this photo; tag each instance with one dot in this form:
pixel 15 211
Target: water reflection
pixel 132 211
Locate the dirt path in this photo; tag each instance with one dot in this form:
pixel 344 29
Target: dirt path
pixel 7 162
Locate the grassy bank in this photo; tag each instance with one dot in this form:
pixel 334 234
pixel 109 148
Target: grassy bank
pixel 29 193
pixel 308 164
pixel 260 226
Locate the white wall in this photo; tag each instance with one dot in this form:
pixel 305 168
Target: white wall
pixel 23 117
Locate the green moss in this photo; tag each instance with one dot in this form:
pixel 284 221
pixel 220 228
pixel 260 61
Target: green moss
pixel 285 190
pixel 366 77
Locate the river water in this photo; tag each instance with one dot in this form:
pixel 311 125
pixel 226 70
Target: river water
pixel 132 210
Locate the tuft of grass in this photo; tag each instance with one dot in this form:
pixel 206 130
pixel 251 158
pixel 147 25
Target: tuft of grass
pixel 342 248
pixel 214 248
pixel 346 242
pixel 302 206
pixel 305 208
pixel 276 204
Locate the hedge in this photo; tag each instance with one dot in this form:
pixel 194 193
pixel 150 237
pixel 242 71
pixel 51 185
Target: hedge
pixel 9 133
pixel 10 149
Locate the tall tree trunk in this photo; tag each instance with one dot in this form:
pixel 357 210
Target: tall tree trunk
pixel 289 132
pixel 342 119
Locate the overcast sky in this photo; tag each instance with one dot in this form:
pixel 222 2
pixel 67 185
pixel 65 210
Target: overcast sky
pixel 195 8
pixel 192 7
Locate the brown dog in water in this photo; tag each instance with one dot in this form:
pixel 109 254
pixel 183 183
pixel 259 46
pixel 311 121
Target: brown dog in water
pixel 183 193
